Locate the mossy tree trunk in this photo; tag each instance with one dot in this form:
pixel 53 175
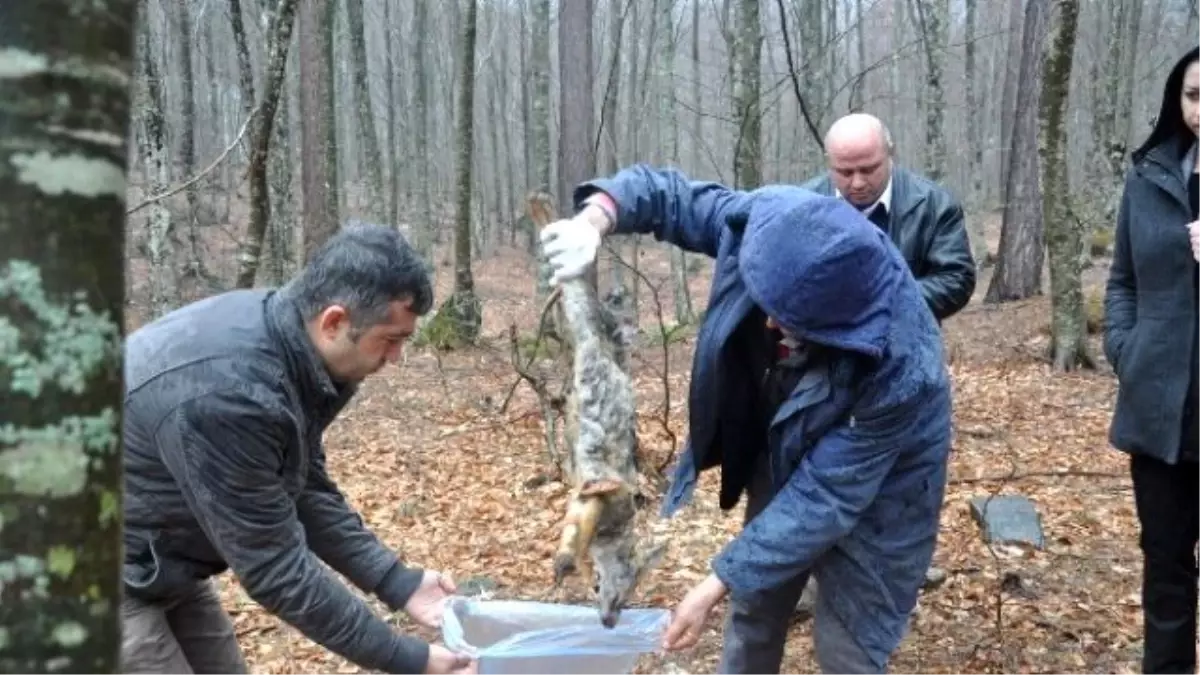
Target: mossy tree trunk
pixel 66 69
pixel 1064 233
pixel 463 308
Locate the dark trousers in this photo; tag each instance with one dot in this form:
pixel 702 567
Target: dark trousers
pixel 1166 498
pixel 188 634
pixel 756 627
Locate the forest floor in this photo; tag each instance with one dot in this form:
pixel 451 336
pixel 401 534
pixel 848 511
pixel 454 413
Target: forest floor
pixel 446 477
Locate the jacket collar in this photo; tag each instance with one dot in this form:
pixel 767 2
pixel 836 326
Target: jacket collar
pixel 318 391
pixel 1163 166
pixel 900 197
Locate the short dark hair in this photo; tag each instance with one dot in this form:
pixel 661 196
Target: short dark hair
pixel 363 267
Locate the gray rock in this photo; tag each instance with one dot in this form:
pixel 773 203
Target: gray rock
pixel 1008 519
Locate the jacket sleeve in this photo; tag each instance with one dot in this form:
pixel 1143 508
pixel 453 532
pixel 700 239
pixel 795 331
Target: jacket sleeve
pixel 337 535
pixel 820 503
pixel 1120 291
pixel 950 280
pixel 667 204
pixel 225 451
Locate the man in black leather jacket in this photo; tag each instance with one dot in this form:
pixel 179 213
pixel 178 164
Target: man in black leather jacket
pixel 226 402
pixel 923 219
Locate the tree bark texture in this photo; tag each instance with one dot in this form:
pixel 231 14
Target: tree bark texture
pixel 1018 273
pixel 1064 233
pixel 464 306
pixel 576 147
pixel 250 255
pixel 318 153
pixel 747 162
pixel 65 84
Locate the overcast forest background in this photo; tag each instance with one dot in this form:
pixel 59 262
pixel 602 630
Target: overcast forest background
pixel 258 127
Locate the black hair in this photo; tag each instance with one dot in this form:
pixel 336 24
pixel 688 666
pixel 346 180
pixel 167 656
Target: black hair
pixel 1169 124
pixel 363 267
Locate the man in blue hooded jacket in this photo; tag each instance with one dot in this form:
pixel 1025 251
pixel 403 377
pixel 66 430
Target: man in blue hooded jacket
pixel 819 389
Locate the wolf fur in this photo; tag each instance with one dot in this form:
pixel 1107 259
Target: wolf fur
pixel 601 436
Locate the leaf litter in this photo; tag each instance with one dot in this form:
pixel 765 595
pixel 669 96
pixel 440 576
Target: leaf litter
pixel 454 484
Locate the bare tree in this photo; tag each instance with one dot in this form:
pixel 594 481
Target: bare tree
pixel 1064 233
pixel 65 78
pixel 318 153
pixel 463 308
pixel 576 154
pixel 372 150
pixel 264 119
pixel 1018 272
pixel 152 121
pixel 747 162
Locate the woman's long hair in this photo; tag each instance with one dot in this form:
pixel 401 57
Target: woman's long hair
pixel 1169 124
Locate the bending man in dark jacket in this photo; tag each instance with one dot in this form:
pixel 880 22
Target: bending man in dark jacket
pixel 923 219
pixel 840 441
pixel 226 403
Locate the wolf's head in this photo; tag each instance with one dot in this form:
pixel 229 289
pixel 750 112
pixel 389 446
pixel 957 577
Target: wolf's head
pixel 619 566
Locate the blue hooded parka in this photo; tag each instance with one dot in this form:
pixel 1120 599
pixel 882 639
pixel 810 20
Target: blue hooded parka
pixel 857 453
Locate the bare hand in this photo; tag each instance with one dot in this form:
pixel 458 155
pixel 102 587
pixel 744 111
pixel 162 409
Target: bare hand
pixel 689 617
pixel 428 602
pixel 1194 235
pixel 442 660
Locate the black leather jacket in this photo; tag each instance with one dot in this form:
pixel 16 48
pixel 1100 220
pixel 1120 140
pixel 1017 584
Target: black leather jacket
pixel 926 224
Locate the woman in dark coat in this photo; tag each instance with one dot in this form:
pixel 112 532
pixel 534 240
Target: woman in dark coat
pixel 1150 339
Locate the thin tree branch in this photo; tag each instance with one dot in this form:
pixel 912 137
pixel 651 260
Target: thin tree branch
pixel 199 176
pixel 787 51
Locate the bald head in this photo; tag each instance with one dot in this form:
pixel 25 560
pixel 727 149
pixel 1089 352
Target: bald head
pixel 858 150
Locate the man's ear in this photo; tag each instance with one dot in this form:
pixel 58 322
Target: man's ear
pixel 331 319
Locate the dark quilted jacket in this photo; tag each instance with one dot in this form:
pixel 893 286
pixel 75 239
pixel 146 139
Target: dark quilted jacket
pixel 226 402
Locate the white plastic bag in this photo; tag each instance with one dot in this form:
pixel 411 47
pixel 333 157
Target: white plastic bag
pixel 516 636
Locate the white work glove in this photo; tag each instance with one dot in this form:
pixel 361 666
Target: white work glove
pixel 1194 235
pixel 570 246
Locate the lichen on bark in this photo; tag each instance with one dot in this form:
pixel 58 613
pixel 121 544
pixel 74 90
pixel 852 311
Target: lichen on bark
pixel 64 112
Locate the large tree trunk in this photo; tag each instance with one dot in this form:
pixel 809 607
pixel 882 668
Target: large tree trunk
pixel 250 255
pixel 1018 273
pixel 62 294
pixel 1064 233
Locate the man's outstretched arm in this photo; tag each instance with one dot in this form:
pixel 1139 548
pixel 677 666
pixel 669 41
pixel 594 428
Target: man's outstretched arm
pixel 667 204
pixel 224 450
pixel 337 534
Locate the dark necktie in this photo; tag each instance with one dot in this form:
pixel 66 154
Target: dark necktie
pixel 879 216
